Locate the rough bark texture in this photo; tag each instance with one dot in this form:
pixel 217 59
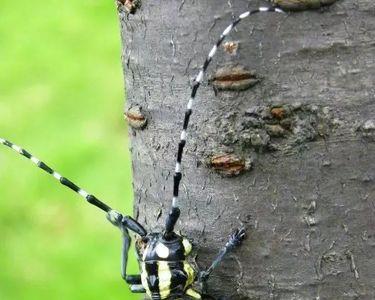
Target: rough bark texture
pixel 306 127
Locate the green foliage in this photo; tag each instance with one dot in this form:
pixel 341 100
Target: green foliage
pixel 61 97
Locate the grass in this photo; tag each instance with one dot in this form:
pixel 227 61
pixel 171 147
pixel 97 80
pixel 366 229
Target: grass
pixel 61 98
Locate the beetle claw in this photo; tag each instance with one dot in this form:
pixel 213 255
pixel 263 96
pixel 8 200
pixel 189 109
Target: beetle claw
pixel 237 237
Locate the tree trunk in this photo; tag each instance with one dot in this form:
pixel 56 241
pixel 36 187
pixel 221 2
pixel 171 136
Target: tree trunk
pixel 285 148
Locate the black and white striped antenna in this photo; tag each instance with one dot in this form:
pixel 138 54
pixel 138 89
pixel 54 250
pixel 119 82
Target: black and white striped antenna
pixel 175 211
pixel 116 218
pixel 64 181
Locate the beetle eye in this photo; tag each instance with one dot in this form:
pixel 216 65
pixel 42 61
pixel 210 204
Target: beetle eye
pixel 145 240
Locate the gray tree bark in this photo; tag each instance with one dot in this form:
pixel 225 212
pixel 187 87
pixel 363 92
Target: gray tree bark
pixel 285 148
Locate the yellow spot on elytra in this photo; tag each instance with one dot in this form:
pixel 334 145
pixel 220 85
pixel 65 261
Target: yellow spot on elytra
pixel 187 246
pixel 190 273
pixel 165 277
pixel 144 279
pixel 193 294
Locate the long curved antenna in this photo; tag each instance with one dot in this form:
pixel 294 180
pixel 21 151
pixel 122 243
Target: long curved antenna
pixel 175 212
pixel 113 216
pixel 64 181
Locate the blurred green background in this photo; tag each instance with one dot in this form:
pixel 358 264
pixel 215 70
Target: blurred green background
pixel 61 98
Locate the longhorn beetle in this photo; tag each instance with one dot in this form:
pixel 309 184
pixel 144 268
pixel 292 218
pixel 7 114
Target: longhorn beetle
pixel 164 257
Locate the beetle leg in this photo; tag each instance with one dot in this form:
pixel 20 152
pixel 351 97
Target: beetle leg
pixel 235 240
pixel 126 223
pixel 137 288
pixel 132 280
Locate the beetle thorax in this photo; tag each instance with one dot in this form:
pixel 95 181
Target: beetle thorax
pixel 154 247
